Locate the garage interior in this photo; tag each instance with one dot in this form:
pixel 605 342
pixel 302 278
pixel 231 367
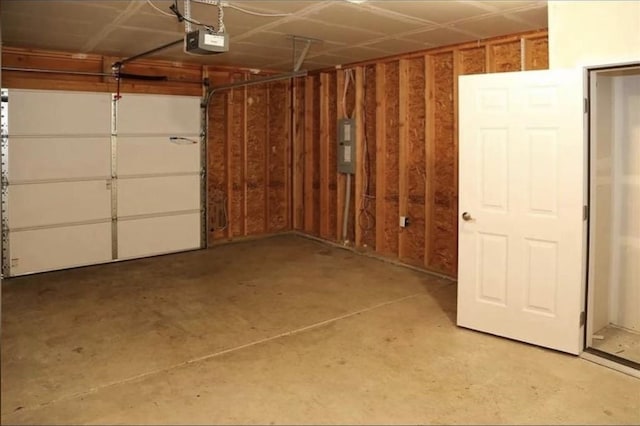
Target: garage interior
pixel 270 234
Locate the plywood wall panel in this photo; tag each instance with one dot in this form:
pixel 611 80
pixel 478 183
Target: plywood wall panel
pixel 217 166
pixel 537 54
pixel 257 119
pixel 444 203
pixel 506 57
pixel 277 153
pixel 418 162
pixel 414 239
pixel 473 61
pixel 391 161
pixel 237 162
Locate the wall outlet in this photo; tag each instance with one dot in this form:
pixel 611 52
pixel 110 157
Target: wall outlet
pixel 404 221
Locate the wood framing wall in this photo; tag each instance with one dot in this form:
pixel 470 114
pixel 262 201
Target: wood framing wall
pixel 248 148
pixel 249 161
pixel 272 148
pixel 407 148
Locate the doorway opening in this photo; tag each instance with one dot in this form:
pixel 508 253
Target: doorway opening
pixel 613 300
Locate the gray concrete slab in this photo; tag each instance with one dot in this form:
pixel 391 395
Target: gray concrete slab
pixel 281 330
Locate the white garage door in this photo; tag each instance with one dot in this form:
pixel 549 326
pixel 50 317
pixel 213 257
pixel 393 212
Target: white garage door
pixel 158 201
pixel 74 194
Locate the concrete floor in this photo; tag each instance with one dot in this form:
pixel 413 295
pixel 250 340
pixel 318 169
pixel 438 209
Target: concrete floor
pixel 282 330
pixel 619 341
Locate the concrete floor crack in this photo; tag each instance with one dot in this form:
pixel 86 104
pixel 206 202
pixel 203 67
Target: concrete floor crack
pixel 145 375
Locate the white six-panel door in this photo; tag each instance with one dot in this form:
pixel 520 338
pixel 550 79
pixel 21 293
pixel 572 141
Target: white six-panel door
pixel 521 229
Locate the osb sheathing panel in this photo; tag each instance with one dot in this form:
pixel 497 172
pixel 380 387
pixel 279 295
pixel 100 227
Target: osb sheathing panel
pixel 316 155
pixel 416 164
pixel 537 54
pixel 237 166
pixel 506 57
pixel 391 200
pixel 277 154
pixel 333 177
pixel 367 207
pixel 256 158
pixel 473 61
pixel 443 229
pixel 217 165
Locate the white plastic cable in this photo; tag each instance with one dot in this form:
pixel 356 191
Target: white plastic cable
pixel 347 208
pixel 254 13
pixel 171 15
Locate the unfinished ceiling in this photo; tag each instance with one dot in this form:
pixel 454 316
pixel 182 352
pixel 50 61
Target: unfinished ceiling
pixel 348 32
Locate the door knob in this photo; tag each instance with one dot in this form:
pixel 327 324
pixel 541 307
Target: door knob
pixel 466 217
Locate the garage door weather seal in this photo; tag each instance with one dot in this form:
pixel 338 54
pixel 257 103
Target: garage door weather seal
pixel 4 180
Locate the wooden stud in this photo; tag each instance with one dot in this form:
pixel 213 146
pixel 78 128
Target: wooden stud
pixel 244 161
pixel 309 212
pixel 229 137
pixel 380 155
pixel 325 167
pixel 360 157
pixel 403 151
pixel 297 136
pixel 341 179
pixel 430 131
pixel 289 162
pixel 267 154
pixel 489 64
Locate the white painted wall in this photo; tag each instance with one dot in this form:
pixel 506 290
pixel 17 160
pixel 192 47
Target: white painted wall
pixel 602 215
pixel 593 32
pixel 615 246
pixel 626 191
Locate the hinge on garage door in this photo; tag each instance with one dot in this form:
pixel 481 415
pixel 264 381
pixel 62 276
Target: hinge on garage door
pixel 586 106
pixel 583 318
pixel 585 212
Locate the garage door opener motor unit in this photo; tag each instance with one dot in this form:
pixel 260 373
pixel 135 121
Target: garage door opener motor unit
pixel 205 42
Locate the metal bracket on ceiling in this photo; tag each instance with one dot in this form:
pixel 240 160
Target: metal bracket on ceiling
pixel 298 61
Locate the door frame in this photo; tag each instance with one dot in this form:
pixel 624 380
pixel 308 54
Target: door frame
pixel 589 353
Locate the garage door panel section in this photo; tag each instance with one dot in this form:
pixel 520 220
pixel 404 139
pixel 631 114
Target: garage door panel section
pixel 36 159
pixel 153 155
pixel 60 203
pixel 158 115
pixel 158 195
pixel 158 235
pixel 159 180
pixel 58 167
pixel 57 248
pixel 42 112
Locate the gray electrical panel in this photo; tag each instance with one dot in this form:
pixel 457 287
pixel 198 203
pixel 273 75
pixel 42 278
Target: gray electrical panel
pixel 346 146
